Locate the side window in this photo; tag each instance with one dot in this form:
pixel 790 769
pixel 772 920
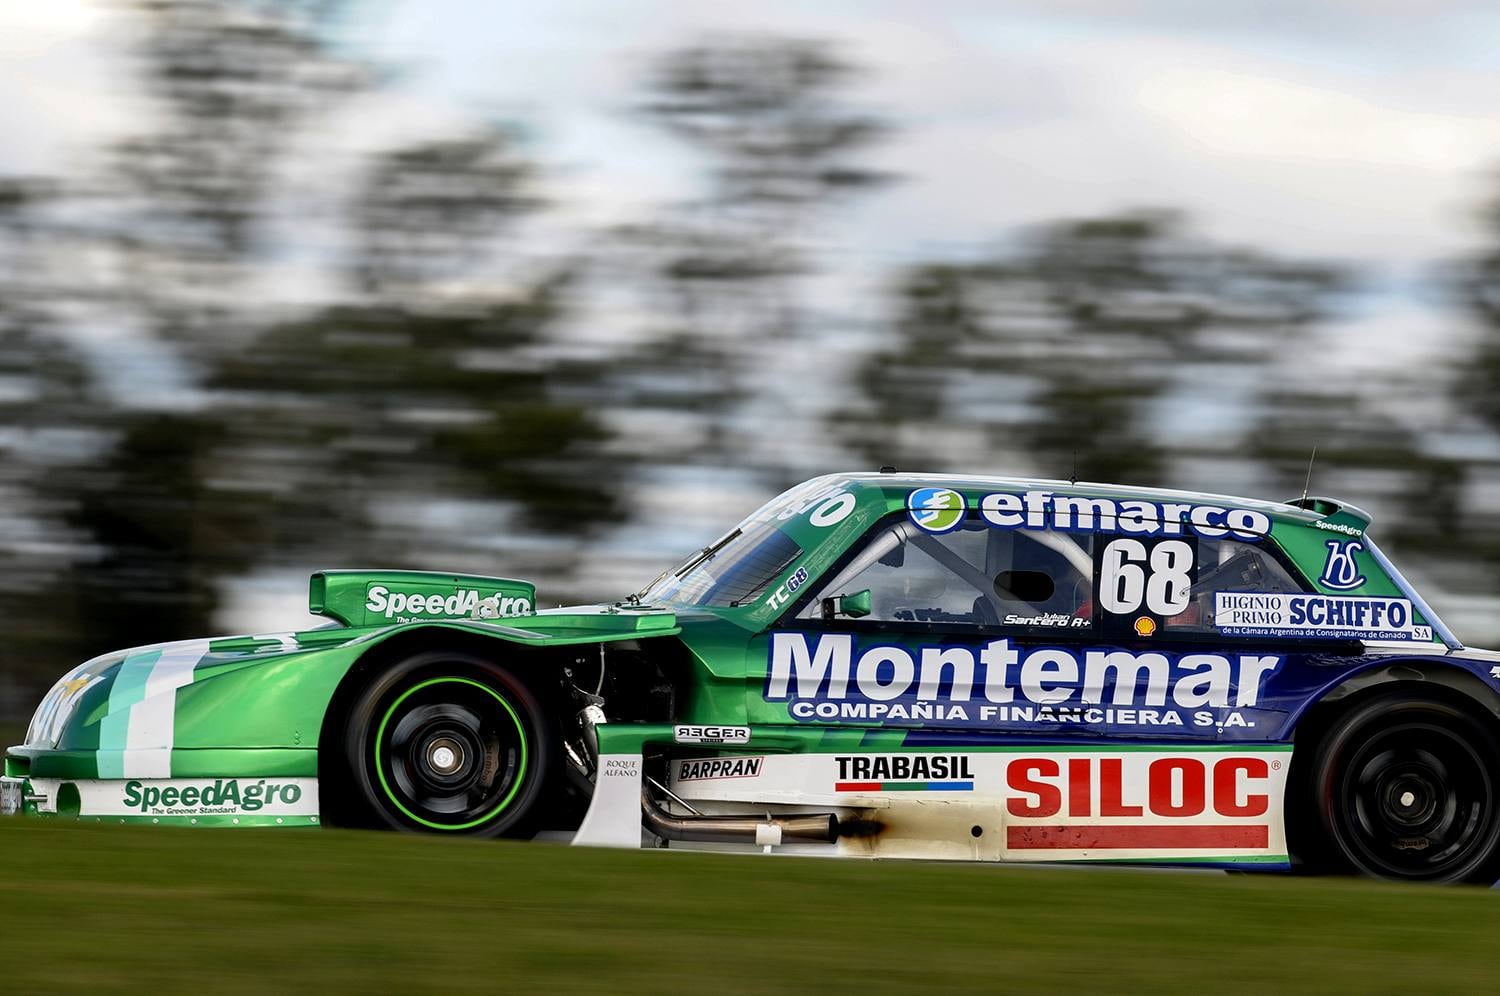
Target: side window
pixel 1173 584
pixel 973 576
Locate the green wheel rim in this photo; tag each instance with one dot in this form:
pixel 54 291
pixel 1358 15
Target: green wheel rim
pixel 515 785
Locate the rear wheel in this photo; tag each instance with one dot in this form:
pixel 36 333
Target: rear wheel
pixel 1405 788
pixel 448 743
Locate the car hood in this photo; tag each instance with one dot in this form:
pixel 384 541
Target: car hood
pixel 115 682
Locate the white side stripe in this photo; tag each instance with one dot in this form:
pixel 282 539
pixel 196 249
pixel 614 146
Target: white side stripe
pixel 148 741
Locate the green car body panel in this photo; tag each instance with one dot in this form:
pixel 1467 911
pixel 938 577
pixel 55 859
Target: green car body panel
pixel 262 698
pixel 247 714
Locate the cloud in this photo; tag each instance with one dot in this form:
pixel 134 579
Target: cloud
pixel 59 90
pixel 1295 156
pixel 1354 129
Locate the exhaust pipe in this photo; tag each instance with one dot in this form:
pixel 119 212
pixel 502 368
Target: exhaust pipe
pixel 822 828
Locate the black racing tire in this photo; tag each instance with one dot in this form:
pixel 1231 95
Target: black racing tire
pixel 1405 788
pixel 447 742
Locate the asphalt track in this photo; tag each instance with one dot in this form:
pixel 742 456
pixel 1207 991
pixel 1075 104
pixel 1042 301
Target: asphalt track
pixel 116 909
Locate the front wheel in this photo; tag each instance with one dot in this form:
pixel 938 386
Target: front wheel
pixel 1405 788
pixel 448 743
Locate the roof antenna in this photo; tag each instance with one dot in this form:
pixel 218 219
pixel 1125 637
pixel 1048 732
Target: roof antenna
pixel 1307 484
pixel 1073 478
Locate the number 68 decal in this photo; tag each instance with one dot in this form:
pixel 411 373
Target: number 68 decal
pixel 1161 580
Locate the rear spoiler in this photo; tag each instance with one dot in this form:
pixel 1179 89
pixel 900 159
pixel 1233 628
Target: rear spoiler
pixel 1336 516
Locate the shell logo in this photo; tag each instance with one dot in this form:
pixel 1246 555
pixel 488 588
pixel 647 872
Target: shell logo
pixel 1145 626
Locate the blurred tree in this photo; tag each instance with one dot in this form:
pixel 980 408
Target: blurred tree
pixel 1475 283
pixel 424 389
pixel 1451 510
pixel 258 433
pixel 174 227
pixel 43 397
pixel 233 86
pixel 721 270
pixel 429 211
pixel 770 114
pixel 163 534
pixel 1067 352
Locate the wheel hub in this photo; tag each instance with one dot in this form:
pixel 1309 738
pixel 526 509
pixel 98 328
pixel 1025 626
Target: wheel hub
pixel 1409 798
pixel 445 755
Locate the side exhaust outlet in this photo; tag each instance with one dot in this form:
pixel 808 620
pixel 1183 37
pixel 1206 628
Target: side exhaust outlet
pixel 819 828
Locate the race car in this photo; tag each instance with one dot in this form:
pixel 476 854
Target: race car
pixel 871 665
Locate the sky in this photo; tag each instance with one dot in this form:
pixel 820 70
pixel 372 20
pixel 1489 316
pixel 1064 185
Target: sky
pixel 1355 130
pixel 1358 130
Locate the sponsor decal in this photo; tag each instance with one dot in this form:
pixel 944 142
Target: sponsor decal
pixel 937 510
pixel 465 602
pixel 832 511
pixel 1044 510
pixel 707 768
pixel 216 797
pixel 1057 619
pixel 620 767
pixel 711 734
pixel 1051 802
pixel 782 595
pixel 826 505
pixel 940 510
pixel 831 678
pixel 1339 527
pixel 497 606
pixel 1141 802
pixel 1332 616
pixel 1340 570
pixel 904 773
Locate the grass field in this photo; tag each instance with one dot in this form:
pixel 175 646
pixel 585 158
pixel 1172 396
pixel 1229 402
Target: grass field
pixel 222 911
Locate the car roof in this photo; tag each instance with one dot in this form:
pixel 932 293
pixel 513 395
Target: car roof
pixel 1304 511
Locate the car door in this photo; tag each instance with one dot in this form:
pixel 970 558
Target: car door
pixel 995 633
pixel 967 629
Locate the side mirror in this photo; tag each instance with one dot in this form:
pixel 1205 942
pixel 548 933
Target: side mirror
pixel 854 606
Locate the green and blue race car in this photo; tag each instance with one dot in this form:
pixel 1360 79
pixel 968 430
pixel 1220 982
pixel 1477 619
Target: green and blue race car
pixel 871 665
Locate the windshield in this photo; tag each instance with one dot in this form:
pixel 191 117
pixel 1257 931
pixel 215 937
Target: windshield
pixel 736 572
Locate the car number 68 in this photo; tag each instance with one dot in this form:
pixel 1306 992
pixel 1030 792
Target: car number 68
pixel 1130 578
